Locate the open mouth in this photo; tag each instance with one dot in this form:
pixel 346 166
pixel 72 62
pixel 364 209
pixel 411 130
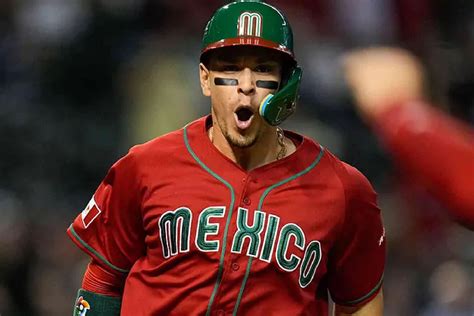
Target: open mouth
pixel 243 117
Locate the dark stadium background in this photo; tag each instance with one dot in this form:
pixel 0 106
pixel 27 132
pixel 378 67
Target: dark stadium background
pixel 81 81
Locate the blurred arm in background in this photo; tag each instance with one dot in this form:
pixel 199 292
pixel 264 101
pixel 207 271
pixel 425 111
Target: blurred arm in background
pixel 432 148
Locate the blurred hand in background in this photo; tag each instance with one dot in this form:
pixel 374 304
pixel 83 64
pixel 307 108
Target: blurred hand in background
pixel 430 147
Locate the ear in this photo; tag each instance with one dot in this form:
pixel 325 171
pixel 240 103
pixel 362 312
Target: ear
pixel 204 76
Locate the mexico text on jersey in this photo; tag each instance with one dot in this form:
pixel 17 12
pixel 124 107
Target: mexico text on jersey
pixel 261 243
pixel 198 235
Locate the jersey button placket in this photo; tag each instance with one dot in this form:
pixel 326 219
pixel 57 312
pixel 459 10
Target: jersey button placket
pixel 230 272
pixel 247 201
pixel 235 266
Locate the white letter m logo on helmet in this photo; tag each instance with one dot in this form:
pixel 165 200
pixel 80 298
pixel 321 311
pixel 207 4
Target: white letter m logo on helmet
pixel 250 24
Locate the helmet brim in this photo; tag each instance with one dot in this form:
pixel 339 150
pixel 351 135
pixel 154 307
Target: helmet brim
pixel 247 41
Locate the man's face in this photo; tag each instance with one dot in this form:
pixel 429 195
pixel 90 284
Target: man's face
pixel 237 80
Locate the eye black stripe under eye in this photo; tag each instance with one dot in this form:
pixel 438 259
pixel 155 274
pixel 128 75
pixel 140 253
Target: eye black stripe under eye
pixel 225 82
pixel 267 84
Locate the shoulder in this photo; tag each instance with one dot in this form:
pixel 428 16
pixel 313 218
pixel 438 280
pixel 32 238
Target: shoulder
pixel 148 152
pixel 355 183
pixel 168 145
pixel 144 161
pixel 154 152
pixel 360 196
pixel 349 175
pixel 162 145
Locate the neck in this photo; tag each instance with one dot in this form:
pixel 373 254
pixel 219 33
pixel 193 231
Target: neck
pixel 267 149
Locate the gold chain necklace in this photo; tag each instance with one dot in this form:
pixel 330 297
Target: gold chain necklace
pixel 281 141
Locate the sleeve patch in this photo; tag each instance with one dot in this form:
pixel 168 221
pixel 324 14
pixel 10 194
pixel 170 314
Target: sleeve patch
pixel 90 213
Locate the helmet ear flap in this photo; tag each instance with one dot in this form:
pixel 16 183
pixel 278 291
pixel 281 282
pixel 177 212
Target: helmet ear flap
pixel 288 66
pixel 275 108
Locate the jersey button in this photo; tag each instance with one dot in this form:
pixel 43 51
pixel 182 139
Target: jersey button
pixel 235 266
pixel 246 200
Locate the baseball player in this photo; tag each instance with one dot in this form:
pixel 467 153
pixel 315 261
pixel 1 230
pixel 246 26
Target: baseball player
pixel 231 215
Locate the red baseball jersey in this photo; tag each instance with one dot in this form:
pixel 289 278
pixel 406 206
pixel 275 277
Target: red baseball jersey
pixel 199 235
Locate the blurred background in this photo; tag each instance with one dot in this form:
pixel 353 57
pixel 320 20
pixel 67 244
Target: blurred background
pixel 81 81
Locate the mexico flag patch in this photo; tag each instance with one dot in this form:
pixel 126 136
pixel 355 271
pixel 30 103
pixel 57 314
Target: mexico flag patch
pixel 90 213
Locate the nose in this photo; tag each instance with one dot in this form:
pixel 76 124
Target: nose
pixel 246 82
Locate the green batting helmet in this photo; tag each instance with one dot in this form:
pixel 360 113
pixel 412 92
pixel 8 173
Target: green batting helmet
pixel 255 23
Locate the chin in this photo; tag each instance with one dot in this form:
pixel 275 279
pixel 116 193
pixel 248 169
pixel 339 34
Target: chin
pixel 242 141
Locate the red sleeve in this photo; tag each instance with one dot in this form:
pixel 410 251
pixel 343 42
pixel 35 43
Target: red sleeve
pixel 358 260
pixel 101 281
pixel 110 228
pixel 435 151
